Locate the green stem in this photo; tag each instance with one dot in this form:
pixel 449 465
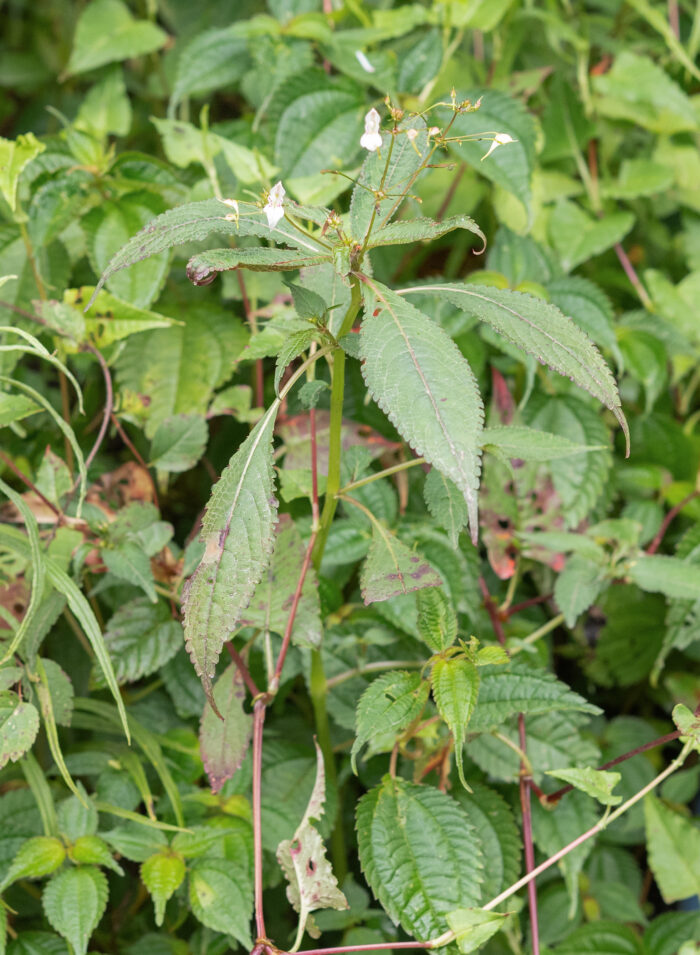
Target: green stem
pixel 36 780
pixel 381 474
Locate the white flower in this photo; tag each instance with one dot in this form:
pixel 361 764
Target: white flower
pixel 372 138
pixel 232 204
pixel 411 134
pixel 274 207
pixel 500 139
pixel 363 61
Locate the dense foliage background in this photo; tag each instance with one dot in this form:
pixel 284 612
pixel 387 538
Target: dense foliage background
pixel 448 718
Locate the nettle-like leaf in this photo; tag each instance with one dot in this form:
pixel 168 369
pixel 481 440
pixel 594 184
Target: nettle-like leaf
pixel 202 268
pixel 422 230
pixel 493 820
pixel 74 901
pixel 19 724
pixel 419 853
pixel 162 874
pixel 455 683
pixel 688 723
pixel 140 637
pixel 666 575
pixel 224 742
pixel 420 379
pixel 389 704
pixel 107 32
pixel 529 444
pixel 446 503
pixel 179 442
pixel 506 691
pixel 37 857
pixel 673 846
pixel 578 236
pixel 271 603
pixel 540 329
pixel 474 927
pixel 237 530
pixel 392 568
pixel 437 621
pixel 594 782
pixel 221 897
pixel 311 883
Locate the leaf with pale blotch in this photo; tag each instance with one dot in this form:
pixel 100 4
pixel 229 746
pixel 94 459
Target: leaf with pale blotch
pixel 594 782
pixel 455 685
pixel 474 927
pixel 19 724
pixel 202 268
pixel 422 230
pixel 312 884
pixel 389 704
pixel 223 743
pixel 237 530
pixel 392 568
pixel 271 603
pixel 423 383
pixel 540 329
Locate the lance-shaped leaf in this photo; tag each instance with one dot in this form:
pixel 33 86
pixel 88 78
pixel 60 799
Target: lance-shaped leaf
pixel 392 568
pixel 19 724
pixel 455 684
pixel 223 743
pixel 540 329
pixel 421 380
pixel 237 530
pixel 446 503
pixel 417 230
pixel 437 621
pixel 202 268
pixel 419 854
pixel 271 603
pixel 312 884
pixel 529 444
pixel 388 705
pixel 593 782
pixel 474 927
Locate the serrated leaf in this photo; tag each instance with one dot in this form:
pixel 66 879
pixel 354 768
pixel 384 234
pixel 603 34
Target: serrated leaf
pixel 540 329
pixel 419 854
pixel 405 231
pixel 437 621
pixel 505 691
pixel 529 444
pixel 107 32
pixel 577 586
pixel 110 320
pixel 420 379
pixel 673 847
pixel 202 267
pixel 601 938
pixel 666 575
pixel 552 830
pixel 19 724
pixel 455 683
pixel 587 305
pixel 136 842
pixel 688 723
pixel 492 819
pixel 474 927
pixel 224 743
pixel 141 637
pixel 295 345
pixel 311 883
pixel 162 874
pixel 15 154
pixel 388 705
pixel 237 530
pixel 593 782
pixel 446 503
pixel 270 605
pixel 74 901
pixel 129 562
pixel 578 237
pixel 392 568
pixel 212 59
pixel 221 896
pixel 179 442
pixel 38 857
pixel 92 850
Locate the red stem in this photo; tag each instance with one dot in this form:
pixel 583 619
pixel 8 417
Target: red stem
pixel 674 18
pixel 532 602
pixel 242 669
pixel 527 840
pixel 258 721
pixel 492 610
pixel 631 274
pixel 363 948
pixel 134 450
pixel 673 513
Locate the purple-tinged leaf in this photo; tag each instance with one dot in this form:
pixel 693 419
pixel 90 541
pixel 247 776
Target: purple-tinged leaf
pixel 392 568
pixel 224 743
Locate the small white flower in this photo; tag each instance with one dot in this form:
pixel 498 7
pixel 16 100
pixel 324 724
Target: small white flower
pixel 363 61
pixel 372 138
pixel 434 131
pixel 232 204
pixel 500 139
pixel 274 207
pixel 411 134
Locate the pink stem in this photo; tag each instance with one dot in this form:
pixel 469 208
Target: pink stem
pixel 258 721
pixel 632 275
pixel 242 669
pixel 386 946
pixel 527 839
pixel 492 610
pixel 675 510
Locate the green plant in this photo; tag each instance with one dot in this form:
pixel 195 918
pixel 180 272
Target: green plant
pixel 428 583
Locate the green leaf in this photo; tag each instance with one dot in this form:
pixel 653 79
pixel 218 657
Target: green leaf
pixel 92 850
pixel 311 883
pixel 673 847
pixel 19 724
pixel 74 901
pixel 474 927
pixel 422 230
pixel 437 621
pixel 111 319
pixel 162 874
pixel 14 156
pixel 38 857
pixel 668 931
pixel 15 408
pixel 446 503
pixel 631 638
pixel 270 604
pixel 587 305
pixel 106 32
pixel 455 683
pixel 237 530
pixel 106 107
pixel 295 345
pixel 179 442
pixel 211 60
pixel 601 938
pixel 505 691
pixel 203 266
pixel 639 177
pixel 224 743
pixel 221 896
pixel 492 819
pixel 140 638
pixel 129 562
pixel 392 568
pixel 389 704
pixel 593 782
pixel 578 237
pixel 541 330
pixel 136 842
pixel 420 379
pixel 529 444
pixel 688 723
pixel 666 575
pixel 419 854
pixel 577 586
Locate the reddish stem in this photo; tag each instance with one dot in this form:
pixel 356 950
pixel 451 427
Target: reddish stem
pixel 527 840
pixel 258 721
pixel 134 450
pixel 532 602
pixel 631 274
pixel 674 18
pixel 242 668
pixel 492 610
pixel 274 682
pixel 386 946
pixel 673 513
pixel 25 480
